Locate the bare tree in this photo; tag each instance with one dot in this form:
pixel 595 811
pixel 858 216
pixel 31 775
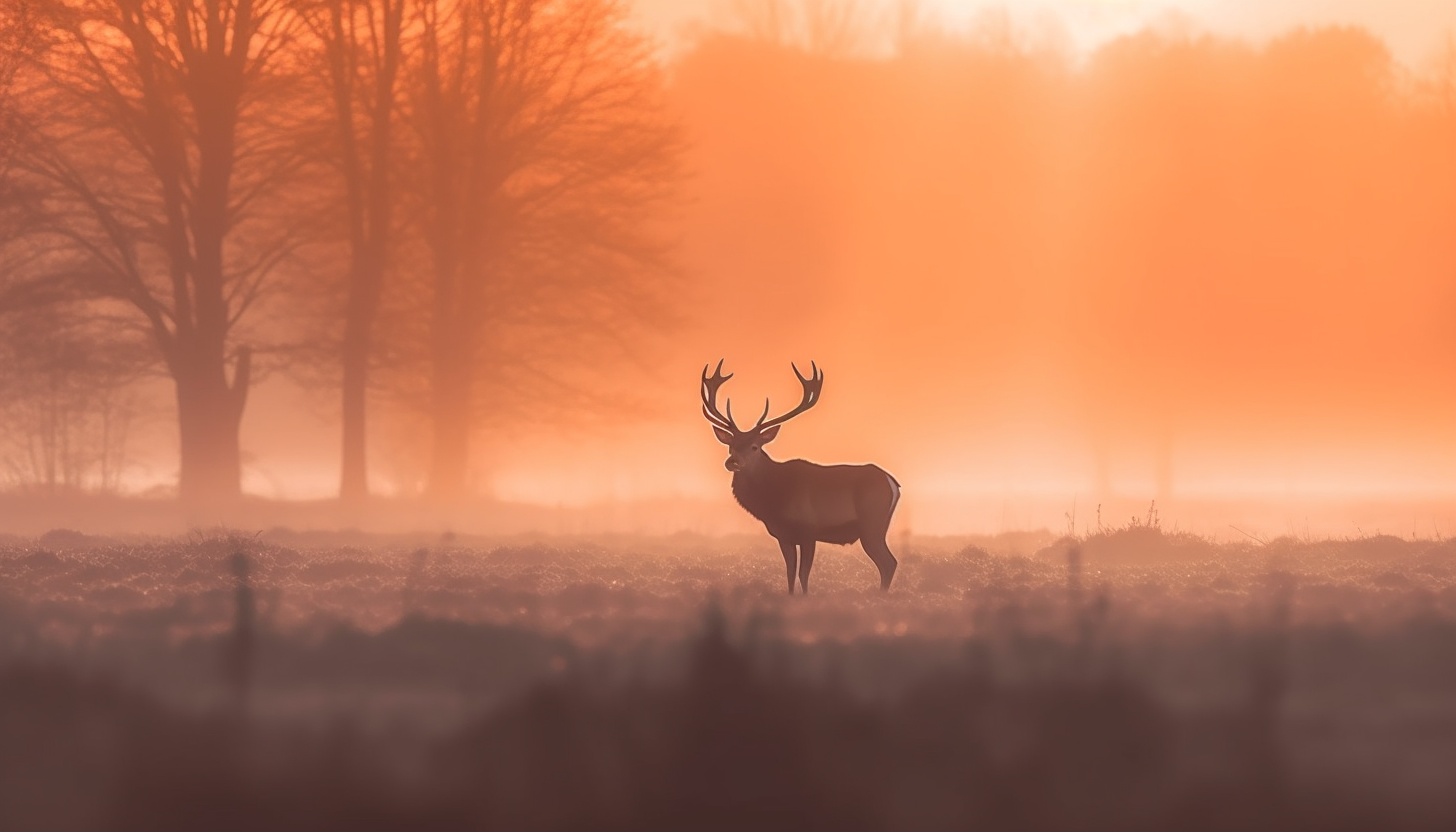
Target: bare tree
pixel 360 44
pixel 67 407
pixel 908 21
pixel 19 43
pixel 830 28
pixel 546 156
pixel 155 128
pixel 1444 75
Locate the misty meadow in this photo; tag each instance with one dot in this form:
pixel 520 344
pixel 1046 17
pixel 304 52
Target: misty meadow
pixel 1134 678
pixel 352 473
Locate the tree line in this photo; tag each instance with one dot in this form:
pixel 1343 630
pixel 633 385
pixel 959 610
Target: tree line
pixel 441 209
pixel 434 199
pixel 1175 243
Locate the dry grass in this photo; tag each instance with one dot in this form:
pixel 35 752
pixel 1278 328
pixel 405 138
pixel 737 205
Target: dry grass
pixel 1271 674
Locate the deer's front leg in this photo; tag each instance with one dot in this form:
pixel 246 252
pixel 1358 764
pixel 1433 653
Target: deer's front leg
pixel 791 559
pixel 806 562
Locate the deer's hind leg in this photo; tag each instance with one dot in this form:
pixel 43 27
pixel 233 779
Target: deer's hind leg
pixel 879 552
pixel 875 507
pixel 806 562
pixel 791 560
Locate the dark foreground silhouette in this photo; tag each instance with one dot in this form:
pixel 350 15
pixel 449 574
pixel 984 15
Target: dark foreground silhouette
pixel 733 742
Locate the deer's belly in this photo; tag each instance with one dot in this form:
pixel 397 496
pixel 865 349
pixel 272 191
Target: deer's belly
pixel 808 510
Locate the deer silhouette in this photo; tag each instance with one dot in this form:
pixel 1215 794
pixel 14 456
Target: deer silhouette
pixel 802 503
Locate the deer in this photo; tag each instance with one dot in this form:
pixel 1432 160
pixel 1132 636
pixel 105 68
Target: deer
pixel 803 503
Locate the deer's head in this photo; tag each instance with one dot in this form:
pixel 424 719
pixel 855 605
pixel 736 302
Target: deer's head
pixel 745 447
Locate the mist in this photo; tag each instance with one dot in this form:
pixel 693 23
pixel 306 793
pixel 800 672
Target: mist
pixel 1187 268
pixel 377 386
pixel 1199 259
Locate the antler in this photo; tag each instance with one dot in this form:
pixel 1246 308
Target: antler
pixel 709 391
pixel 812 387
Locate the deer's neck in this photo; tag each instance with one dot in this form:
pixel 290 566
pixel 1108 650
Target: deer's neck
pixel 758 488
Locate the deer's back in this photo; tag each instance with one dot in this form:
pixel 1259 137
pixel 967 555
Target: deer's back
pixel 805 500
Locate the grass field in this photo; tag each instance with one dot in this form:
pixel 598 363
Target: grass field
pixel 1128 679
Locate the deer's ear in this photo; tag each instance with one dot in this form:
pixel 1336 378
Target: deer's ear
pixel 723 436
pixel 768 435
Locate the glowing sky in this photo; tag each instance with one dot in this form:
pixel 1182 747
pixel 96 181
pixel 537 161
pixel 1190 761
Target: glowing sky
pixel 1213 311
pixel 1412 28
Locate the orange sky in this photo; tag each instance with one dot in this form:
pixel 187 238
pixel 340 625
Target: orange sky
pixel 1171 269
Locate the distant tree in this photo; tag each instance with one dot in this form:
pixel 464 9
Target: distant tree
pixel 66 407
pixel 154 128
pixel 1443 76
pixel 829 28
pixel 52 383
pixel 908 22
pixel 546 157
pixel 1445 88
pixel 360 53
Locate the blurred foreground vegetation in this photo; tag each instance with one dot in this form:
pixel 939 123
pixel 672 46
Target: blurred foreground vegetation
pixel 1129 679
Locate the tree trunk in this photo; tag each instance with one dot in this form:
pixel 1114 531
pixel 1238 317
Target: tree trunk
pixel 451 448
pixel 369 196
pixel 353 473
pixel 209 415
pixel 451 367
pixel 358 325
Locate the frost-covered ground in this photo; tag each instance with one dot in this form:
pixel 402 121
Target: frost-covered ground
pixel 1344 651
pixel 611 589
